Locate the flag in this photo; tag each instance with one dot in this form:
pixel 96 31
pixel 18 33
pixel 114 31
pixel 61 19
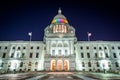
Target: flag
pixel 30 33
pixel 89 34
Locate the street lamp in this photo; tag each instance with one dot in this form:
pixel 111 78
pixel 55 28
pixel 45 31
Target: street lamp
pixel 30 34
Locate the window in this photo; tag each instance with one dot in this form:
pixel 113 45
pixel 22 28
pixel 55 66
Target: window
pixel 89 64
pixel 59 45
pixel 37 55
pixel 83 64
pixel 100 48
pixel 30 55
pixel 81 47
pixel 118 47
pixel 18 54
pixel 82 55
pixel 105 48
pixel 24 47
pixel 23 54
pixel 87 47
pixel 12 55
pixel 6 47
pixel 36 64
pixel 29 64
pixel 113 47
pixel 116 64
pixel 4 54
pixel 38 47
pixel 31 47
pixel 97 64
pixel 59 28
pixel 94 47
pixel 53 52
pixel 114 55
pixel 21 64
pixel 106 54
pixel 96 56
pixel 13 48
pixel 18 48
pixel 109 64
pixel 65 45
pixel 1 64
pixel 66 52
pixel 9 65
pixel 59 52
pixel 88 55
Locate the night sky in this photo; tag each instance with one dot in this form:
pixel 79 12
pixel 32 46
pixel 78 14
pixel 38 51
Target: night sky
pixel 101 18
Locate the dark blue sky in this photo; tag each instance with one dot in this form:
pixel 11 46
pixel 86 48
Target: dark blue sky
pixel 19 17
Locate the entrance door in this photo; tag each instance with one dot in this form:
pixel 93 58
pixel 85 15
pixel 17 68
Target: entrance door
pixel 59 65
pixel 53 65
pixel 66 65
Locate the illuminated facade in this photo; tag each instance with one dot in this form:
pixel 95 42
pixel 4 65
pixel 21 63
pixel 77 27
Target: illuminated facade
pixel 60 51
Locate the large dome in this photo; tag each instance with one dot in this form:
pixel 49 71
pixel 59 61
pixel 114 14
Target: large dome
pixel 59 18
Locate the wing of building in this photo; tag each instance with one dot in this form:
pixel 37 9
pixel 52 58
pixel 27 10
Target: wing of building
pixel 60 51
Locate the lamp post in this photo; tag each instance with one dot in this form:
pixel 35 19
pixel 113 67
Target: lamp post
pixel 89 34
pixel 30 34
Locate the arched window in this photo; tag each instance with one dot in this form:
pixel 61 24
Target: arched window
pixel 53 45
pixel 60 45
pixel 65 45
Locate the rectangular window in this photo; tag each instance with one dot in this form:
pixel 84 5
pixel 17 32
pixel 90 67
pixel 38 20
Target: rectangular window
pixel 31 47
pixel 113 47
pixel 118 47
pixel 82 55
pixel 6 47
pixel 87 47
pixel 12 55
pixel 94 47
pixel 23 54
pixel 24 47
pixel 30 55
pixel 88 55
pixel 96 56
pixel 106 55
pixel 114 55
pixel 18 48
pixel 81 47
pixel 37 55
pixel 4 54
pixel 53 52
pixel 37 47
pixel 66 52
pixel 1 64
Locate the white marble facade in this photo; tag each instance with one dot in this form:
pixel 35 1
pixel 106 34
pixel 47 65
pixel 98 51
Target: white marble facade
pixel 60 51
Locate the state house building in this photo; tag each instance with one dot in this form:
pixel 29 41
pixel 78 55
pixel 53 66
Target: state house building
pixel 60 51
